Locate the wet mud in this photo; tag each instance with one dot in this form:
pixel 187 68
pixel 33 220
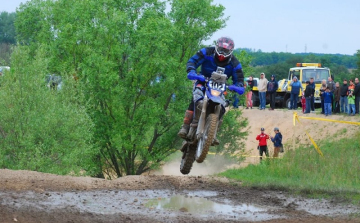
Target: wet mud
pixel 159 199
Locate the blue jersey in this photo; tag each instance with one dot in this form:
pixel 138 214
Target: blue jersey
pixel 209 63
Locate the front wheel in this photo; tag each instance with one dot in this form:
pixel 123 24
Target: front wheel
pixel 207 138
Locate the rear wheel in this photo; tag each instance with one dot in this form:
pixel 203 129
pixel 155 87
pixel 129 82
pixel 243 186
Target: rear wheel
pixel 188 158
pixel 206 140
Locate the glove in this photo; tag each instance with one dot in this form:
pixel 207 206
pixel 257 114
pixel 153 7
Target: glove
pixel 192 75
pixel 239 90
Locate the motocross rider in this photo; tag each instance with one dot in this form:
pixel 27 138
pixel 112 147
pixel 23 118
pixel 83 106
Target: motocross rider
pixel 210 58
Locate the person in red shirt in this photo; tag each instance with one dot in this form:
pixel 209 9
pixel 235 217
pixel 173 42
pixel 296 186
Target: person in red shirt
pixel 303 103
pixel 262 137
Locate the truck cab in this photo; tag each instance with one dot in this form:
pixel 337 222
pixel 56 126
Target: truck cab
pixel 305 71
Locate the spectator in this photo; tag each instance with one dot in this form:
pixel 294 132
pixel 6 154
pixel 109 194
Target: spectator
pixel 272 86
pixel 295 90
pixel 337 98
pixel 262 85
pixel 312 101
pixel 309 92
pixel 277 140
pixel 328 95
pixel 351 98
pixel 262 137
pixel 357 95
pixel 303 102
pixel 343 97
pixel 250 84
pixel 331 85
pixel 322 90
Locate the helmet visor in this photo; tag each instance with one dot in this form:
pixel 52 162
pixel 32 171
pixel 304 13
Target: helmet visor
pixel 223 51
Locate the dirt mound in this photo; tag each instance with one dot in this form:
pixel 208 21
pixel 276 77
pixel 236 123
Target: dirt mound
pixel 293 136
pixel 22 180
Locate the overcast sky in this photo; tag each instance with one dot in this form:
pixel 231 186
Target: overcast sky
pixel 318 26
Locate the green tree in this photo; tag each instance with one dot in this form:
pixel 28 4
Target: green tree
pixel 7 36
pixel 129 58
pixel 42 130
pixel 357 71
pixel 5 54
pixel 7 27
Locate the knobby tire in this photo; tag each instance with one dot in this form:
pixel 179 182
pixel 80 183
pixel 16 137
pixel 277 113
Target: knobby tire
pixel 188 160
pixel 210 128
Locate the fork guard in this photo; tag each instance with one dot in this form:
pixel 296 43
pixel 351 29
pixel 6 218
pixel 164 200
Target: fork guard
pixel 201 123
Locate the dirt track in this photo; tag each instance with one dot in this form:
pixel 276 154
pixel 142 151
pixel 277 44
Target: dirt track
pixel 293 136
pixel 31 197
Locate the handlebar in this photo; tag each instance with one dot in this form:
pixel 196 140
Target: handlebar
pixel 202 78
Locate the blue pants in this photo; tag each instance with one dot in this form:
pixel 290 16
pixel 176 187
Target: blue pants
pixel 293 101
pixel 308 104
pixel 351 109
pixel 343 103
pixel 236 101
pixel 327 108
pixel 262 96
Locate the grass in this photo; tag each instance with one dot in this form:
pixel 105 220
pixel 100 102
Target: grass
pixel 303 170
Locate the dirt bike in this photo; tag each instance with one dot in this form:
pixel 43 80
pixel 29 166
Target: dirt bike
pixel 201 136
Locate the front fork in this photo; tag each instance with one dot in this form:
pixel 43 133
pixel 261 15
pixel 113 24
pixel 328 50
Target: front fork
pixel 201 125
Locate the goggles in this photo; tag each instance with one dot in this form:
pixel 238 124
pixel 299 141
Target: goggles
pixel 223 51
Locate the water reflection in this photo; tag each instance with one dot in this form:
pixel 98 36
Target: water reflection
pixel 206 207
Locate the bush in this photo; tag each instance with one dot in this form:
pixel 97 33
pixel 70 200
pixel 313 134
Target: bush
pixel 41 129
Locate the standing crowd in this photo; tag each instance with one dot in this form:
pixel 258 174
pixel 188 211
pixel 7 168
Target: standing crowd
pixel 350 97
pixel 340 99
pixel 334 98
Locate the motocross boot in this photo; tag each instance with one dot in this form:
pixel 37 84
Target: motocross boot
pixel 216 142
pixel 186 126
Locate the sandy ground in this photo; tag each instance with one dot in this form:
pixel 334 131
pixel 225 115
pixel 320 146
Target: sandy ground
pixel 27 196
pixel 293 136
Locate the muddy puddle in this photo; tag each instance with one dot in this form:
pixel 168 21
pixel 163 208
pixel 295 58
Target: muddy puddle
pixel 168 203
pixel 205 207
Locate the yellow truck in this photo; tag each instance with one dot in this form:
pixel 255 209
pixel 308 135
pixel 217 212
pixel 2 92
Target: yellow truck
pixel 303 71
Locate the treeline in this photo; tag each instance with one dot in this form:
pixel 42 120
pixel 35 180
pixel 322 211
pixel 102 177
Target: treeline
pixel 260 58
pixel 7 36
pixel 341 66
